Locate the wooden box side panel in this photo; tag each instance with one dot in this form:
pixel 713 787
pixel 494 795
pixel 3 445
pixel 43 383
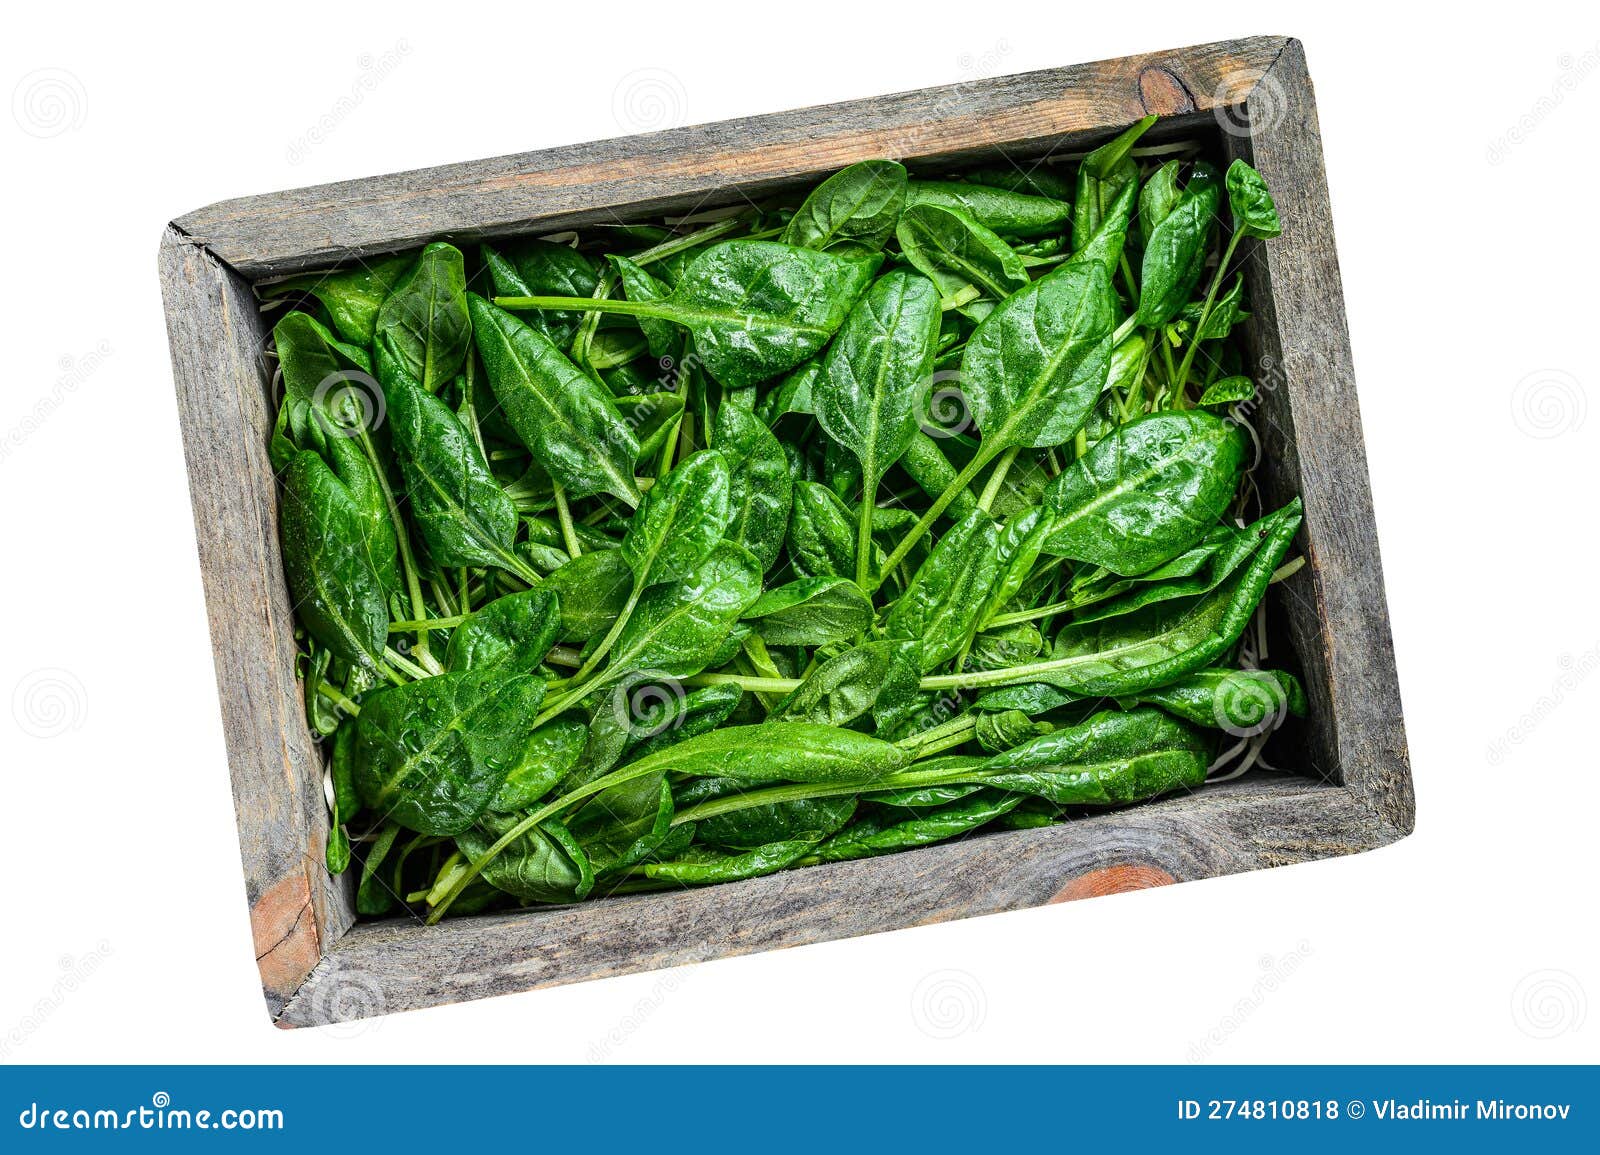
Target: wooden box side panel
pixel 380 968
pixel 1310 424
pixel 218 340
pixel 676 169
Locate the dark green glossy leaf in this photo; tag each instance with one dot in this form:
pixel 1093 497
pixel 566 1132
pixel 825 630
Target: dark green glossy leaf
pixel 351 296
pixel 592 589
pixel 315 366
pixel 953 250
pixel 545 268
pixel 1017 549
pixel 1011 646
pixel 1241 702
pixel 998 732
pixel 1254 212
pixel 679 521
pixel 665 723
pixel 544 864
pixel 761 489
pixel 1147 492
pixel 512 633
pixel 458 507
pixel 1112 759
pixel 1034 367
pixel 621 826
pixel 866 397
pixel 941 608
pixel 871 838
pixel 547 757
pixel 783 751
pixel 1032 698
pixel 1158 198
pixel 811 612
pixel 1103 178
pixel 638 284
pixel 925 463
pixel 678 626
pixel 336 594
pixel 432 753
pixel 1008 213
pixel 856 206
pixel 697 866
pixel 1175 254
pixel 1037 180
pixel 778 822
pixel 566 418
pixel 424 321
pixel 822 533
pixel 872 677
pixel 1197 571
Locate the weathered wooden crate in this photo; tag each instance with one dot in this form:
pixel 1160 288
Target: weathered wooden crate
pixel 1350 786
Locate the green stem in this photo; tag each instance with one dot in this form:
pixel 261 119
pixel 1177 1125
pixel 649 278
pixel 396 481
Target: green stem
pixel 408 563
pixel 338 699
pixel 799 791
pixel 610 639
pixel 569 532
pixel 864 539
pixel 1287 569
pixel 961 724
pixel 997 478
pixel 744 681
pixel 1205 311
pixel 986 453
pixel 405 665
pixel 430 623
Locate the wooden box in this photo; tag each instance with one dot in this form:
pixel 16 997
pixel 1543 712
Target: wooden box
pixel 1348 787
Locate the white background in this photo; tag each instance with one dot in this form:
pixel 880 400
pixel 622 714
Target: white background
pixel 1462 166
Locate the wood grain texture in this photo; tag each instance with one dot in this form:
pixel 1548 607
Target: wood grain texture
pixel 1312 438
pixel 1255 90
pixel 380 968
pixel 1028 114
pixel 217 338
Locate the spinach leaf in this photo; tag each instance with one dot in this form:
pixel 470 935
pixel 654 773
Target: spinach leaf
pixel 336 593
pixel 566 418
pixel 678 626
pixel 424 320
pixel 1145 493
pixel 873 677
pixel 855 207
pixel 592 589
pixel 867 839
pixel 1175 254
pixel 1008 213
pixel 760 487
pixel 544 864
pixel 811 612
pixel 941 608
pixel 953 250
pixel 1238 701
pixel 550 753
pixel 431 754
pixel 512 634
pixel 351 296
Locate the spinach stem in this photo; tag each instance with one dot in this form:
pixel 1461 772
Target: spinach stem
pixel 408 563
pixel 338 699
pixel 1205 310
pixel 986 453
pixel 612 635
pixel 569 532
pixel 405 665
pixel 864 541
pixel 997 478
pixel 430 623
